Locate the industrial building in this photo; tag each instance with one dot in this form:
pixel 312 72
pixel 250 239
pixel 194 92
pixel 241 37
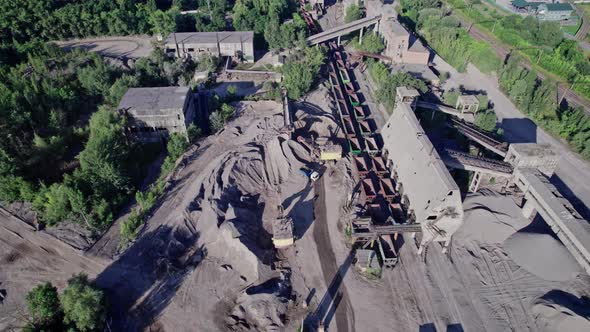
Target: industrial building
pixel 400 45
pixel 236 44
pixel 425 184
pixel 546 11
pixel 153 113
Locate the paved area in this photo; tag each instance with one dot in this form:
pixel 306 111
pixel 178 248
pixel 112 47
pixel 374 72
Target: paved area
pixel 127 47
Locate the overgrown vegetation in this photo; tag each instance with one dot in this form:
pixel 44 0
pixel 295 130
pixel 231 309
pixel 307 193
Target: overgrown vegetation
pixel 371 43
pixel 353 13
pixel 387 83
pixel 541 42
pixel 270 19
pixel 300 71
pixel 80 307
pixel 536 99
pixel 177 145
pixel 68 167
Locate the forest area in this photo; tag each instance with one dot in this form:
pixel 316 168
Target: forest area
pixel 535 98
pixel 62 144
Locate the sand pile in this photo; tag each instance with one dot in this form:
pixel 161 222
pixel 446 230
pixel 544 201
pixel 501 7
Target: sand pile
pixel 490 217
pixel 561 311
pixel 542 255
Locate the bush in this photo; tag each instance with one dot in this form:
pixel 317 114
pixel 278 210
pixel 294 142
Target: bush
pixel 84 305
pixel 372 43
pixel 130 227
pixel 44 307
pixel 353 13
pixel 486 120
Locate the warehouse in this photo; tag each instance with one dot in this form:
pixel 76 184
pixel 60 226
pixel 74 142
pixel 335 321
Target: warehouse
pixel 153 113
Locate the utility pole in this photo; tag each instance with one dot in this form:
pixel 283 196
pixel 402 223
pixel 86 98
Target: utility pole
pixel 176 44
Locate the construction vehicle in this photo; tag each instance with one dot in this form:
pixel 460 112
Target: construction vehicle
pixel 311 174
pixel 321 149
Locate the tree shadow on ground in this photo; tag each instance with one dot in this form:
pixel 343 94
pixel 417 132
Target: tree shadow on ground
pixel 141 283
pixel 519 130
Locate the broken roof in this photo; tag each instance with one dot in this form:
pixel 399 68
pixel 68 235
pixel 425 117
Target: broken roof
pixel 151 100
pixel 233 37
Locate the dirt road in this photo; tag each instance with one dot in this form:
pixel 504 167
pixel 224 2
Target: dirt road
pixel 336 300
pixel 129 47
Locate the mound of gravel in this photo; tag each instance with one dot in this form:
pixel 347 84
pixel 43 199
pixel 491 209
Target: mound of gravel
pixel 560 311
pixel 490 218
pixel 541 255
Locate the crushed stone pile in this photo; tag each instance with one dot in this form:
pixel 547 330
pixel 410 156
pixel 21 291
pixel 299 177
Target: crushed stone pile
pixel 490 217
pixel 542 255
pixel 559 311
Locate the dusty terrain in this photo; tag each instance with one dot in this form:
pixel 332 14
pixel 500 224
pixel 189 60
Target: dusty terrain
pixel 122 47
pixel 204 260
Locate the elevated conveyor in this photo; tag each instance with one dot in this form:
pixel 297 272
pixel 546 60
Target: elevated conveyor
pixel 481 137
pixel 558 213
pixel 342 30
pixel 445 109
pixel 462 160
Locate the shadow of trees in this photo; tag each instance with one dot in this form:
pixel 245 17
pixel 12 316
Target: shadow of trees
pixel 142 282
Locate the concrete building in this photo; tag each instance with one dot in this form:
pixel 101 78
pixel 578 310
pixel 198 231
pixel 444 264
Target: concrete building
pixel 543 157
pixel 427 188
pixel 153 113
pixel 401 45
pixel 238 44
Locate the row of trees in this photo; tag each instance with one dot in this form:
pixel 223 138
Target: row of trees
pixel 537 99
pixel 80 307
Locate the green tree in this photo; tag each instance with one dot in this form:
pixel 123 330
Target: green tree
pixel 486 120
pixel 298 75
pixel 372 43
pixel 120 87
pixel 84 305
pixel 163 23
pixel 353 13
pixel 44 306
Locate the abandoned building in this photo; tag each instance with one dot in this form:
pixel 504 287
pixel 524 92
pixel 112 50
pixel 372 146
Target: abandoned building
pixel 153 113
pixel 424 182
pixel 400 45
pixel 237 44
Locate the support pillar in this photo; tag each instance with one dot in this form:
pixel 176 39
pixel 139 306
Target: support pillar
pixel 338 40
pixel 361 36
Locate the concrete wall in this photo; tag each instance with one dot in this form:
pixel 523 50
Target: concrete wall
pixel 433 195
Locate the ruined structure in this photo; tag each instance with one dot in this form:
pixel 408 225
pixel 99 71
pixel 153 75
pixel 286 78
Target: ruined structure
pixel 427 188
pixel 153 113
pixel 401 45
pixel 540 156
pixel 238 44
